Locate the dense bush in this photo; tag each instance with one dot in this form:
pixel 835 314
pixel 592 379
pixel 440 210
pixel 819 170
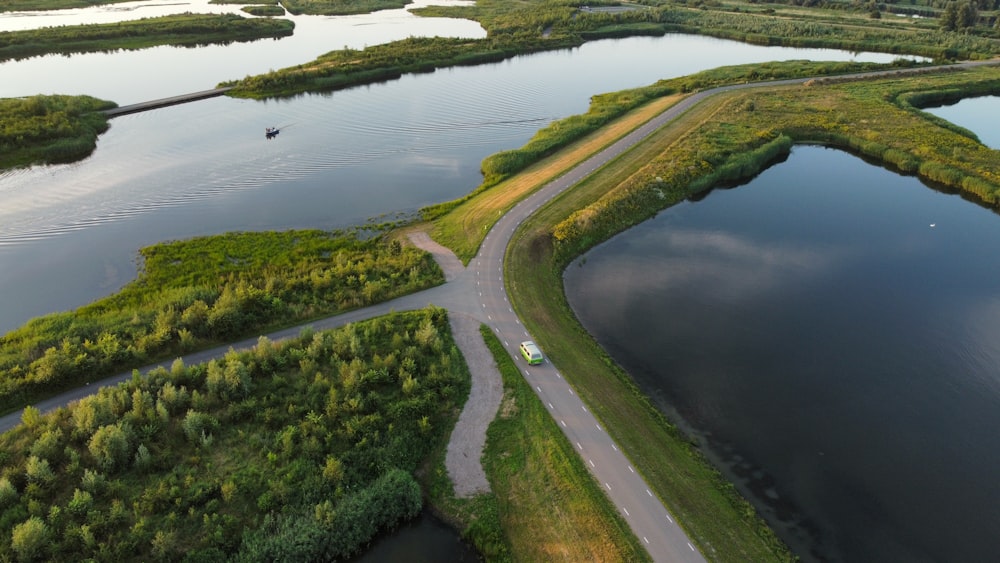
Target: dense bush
pixel 310 465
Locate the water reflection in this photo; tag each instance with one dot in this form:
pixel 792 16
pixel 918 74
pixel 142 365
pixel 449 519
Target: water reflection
pixel 128 77
pixel 980 115
pixel 830 348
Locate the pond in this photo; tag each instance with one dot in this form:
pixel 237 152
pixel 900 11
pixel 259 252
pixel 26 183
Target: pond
pixel 980 115
pixel 828 333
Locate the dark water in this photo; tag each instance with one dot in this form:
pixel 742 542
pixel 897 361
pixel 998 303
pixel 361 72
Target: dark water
pixel 979 115
pixel 829 332
pixel 425 539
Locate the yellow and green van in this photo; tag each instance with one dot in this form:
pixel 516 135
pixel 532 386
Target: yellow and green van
pixel 531 352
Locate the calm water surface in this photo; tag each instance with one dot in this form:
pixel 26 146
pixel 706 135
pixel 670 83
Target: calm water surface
pixel 828 331
pixel 979 115
pixel 127 77
pixel 343 157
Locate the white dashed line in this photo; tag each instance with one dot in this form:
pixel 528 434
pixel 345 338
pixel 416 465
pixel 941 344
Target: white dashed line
pixel 584 408
pixel 579 446
pixel 599 427
pixel 563 422
pixel 645 540
pixel 608 486
pixel 614 447
pixel 691 546
pixel 669 518
pixel 630 469
pixel 539 388
pixel 625 510
pixel 591 463
pixel 649 493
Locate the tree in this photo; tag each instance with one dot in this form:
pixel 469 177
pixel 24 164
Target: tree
pixel 31 416
pixel 29 539
pixel 949 17
pixel 110 446
pixel 968 13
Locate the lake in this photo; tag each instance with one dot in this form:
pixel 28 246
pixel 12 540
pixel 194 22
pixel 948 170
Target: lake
pixel 828 333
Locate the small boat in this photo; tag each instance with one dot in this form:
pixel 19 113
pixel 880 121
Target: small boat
pixel 271 132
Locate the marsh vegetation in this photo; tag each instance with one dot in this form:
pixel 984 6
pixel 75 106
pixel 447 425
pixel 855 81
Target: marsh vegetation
pixel 195 293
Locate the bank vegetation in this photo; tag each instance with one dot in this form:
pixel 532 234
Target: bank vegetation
pixel 206 291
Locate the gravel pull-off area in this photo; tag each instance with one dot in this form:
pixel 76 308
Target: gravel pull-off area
pixel 468 439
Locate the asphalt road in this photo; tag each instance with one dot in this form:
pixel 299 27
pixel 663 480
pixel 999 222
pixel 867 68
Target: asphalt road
pixel 479 291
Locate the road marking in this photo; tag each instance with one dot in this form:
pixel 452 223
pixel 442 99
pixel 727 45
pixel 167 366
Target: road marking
pixel 490 317
pixel 571 391
pixel 625 510
pixel 584 408
pixel 608 486
pixel 550 406
pixel 599 427
pixel 579 446
pixel 591 463
pixel 645 540
pixel 539 388
pixel 563 422
pixel 526 372
pixel 505 343
pixel 614 447
pixel 630 469
pixel 649 493
pixel 691 546
pixel 669 518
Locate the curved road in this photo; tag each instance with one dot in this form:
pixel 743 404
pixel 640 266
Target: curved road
pixel 478 291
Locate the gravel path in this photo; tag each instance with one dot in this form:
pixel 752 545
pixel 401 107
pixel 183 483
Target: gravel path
pixel 468 440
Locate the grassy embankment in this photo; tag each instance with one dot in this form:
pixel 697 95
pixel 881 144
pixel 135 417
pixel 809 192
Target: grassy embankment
pixel 729 137
pixel 49 129
pixel 294 451
pixel 524 27
pixel 183 29
pixel 202 292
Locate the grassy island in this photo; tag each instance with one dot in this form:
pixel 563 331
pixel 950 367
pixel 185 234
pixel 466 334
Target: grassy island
pixel 49 129
pixel 182 30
